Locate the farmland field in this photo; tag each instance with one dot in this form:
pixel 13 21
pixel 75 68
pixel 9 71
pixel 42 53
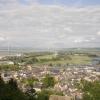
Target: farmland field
pixel 74 59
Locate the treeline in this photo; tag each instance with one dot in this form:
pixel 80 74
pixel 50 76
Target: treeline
pixel 36 54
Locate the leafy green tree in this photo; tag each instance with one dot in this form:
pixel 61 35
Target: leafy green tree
pixel 48 81
pixel 10 91
pixel 91 90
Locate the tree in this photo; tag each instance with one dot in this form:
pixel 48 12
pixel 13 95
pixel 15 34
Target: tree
pixel 10 91
pixel 48 81
pixel 91 90
pixel 13 84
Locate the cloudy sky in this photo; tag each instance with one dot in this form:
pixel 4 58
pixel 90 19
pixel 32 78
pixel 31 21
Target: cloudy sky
pixel 50 23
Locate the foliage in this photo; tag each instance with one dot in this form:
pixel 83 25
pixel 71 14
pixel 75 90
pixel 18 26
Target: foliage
pixel 91 90
pixel 9 67
pixel 10 91
pixel 32 60
pixel 48 81
pixel 44 95
pixel 30 81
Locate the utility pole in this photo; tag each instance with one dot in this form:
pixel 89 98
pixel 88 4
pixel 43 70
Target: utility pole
pixel 8 48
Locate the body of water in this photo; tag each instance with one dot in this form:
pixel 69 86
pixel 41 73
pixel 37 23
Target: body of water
pixel 96 60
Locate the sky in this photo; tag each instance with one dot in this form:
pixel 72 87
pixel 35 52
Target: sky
pixel 50 23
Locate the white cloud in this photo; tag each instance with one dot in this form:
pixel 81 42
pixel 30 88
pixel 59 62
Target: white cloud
pixel 92 38
pixel 83 39
pixel 78 41
pixel 39 24
pixel 2 39
pixel 68 29
pixel 98 33
pixel 62 36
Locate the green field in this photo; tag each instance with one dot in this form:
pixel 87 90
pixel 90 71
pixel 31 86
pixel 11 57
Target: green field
pixel 52 58
pixel 74 59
